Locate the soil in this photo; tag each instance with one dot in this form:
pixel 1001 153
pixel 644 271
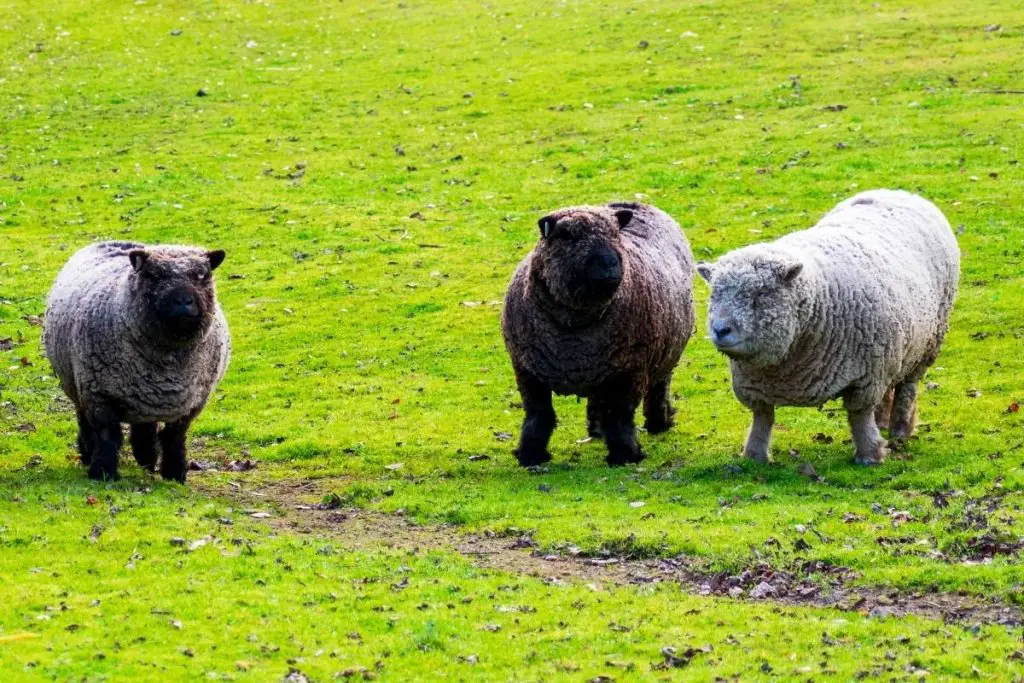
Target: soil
pixel 813 583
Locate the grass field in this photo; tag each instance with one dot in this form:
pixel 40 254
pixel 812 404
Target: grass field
pixel 374 172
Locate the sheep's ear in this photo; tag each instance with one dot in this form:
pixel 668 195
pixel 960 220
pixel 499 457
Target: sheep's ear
pixel 790 271
pixel 547 226
pixel 624 216
pixel 216 258
pixel 138 257
pixel 705 270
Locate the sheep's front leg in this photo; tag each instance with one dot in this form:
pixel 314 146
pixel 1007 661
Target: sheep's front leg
pixel 904 411
pixel 105 426
pixel 760 436
pixel 618 406
pixel 539 422
pixel 172 445
pixel 869 444
pixel 143 441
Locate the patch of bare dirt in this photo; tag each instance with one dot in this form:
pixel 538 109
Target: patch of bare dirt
pixel 812 583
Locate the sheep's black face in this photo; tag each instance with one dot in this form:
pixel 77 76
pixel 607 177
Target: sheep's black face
pixel 753 312
pixel 174 293
pixel 580 255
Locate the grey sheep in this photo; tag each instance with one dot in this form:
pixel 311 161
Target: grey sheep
pixel 601 308
pixel 135 335
pixel 854 308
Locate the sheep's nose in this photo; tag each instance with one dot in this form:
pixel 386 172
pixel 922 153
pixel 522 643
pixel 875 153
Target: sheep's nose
pixel 184 305
pixel 723 333
pixel 184 300
pixel 604 266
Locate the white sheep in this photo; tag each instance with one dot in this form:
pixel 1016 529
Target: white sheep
pixel 854 308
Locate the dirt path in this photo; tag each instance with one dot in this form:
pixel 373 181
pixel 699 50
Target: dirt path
pixel 812 584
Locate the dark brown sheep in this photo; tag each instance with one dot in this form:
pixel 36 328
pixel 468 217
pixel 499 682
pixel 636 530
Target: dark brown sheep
pixel 601 308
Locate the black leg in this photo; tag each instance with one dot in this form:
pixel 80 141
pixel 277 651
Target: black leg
pixel 86 439
pixel 619 405
pixel 143 440
pixel 172 447
pixel 658 410
pixel 106 446
pixel 594 419
pixel 539 421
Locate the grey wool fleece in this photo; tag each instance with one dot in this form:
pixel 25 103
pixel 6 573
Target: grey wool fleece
pixel 602 308
pixel 855 308
pixel 115 357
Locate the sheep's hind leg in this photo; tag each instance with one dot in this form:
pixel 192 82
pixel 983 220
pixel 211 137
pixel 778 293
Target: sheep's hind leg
pixel 759 438
pixel 106 445
pixel 658 410
pixel 619 407
pixel 904 411
pixel 538 424
pixel 883 411
pixel 86 439
pixel 143 441
pixel 594 430
pixel 869 444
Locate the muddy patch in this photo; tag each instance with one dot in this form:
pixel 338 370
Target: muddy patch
pixel 300 509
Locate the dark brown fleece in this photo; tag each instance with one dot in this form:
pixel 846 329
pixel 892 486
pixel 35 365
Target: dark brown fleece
pixel 617 350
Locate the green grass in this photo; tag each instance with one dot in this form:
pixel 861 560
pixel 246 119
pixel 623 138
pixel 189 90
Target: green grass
pixel 374 172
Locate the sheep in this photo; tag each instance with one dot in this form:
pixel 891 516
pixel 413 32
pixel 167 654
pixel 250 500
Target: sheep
pixel 601 308
pixel 855 308
pixel 135 335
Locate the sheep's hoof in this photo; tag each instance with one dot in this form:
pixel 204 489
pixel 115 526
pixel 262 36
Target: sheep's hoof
pixel 875 457
pixel 900 432
pixel 659 425
pixel 98 474
pixel 532 459
pixel 757 456
pixel 174 474
pixel 625 457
